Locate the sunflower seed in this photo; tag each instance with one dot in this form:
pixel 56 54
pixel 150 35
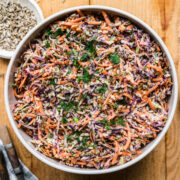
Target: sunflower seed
pixel 16 21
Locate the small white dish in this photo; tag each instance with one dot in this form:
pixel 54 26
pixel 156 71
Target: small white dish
pixel 32 5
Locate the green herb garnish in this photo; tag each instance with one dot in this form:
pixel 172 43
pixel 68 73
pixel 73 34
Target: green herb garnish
pixel 68 105
pixel 137 49
pixel 108 127
pixel 113 122
pixel 69 72
pixel 50 136
pixel 75 62
pixel 76 119
pixel 112 38
pixel 67 35
pixel 73 52
pixel 116 106
pixel 47 44
pixel 102 89
pixel 86 76
pixel 48 33
pixel 64 120
pixel 91 49
pixel 94 146
pixel 69 138
pixel 59 32
pixel 114 58
pixel 52 82
pixel 53 35
pixel 131 87
pixel 97 71
pixel 77 133
pixel 95 37
pixel 84 57
pixel 85 140
pixel 120 121
pixel 105 122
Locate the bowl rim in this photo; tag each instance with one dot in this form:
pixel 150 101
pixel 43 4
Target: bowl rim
pixel 8 54
pixel 158 138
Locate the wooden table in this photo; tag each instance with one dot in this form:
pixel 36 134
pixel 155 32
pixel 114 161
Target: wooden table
pixel 163 163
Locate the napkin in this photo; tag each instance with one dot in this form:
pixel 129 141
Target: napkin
pixel 11 167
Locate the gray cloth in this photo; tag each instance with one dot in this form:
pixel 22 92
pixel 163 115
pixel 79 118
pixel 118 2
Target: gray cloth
pixel 9 167
pixel 27 174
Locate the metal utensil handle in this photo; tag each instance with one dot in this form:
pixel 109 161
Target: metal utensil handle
pixel 9 167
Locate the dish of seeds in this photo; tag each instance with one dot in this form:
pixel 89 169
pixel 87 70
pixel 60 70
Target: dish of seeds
pixel 92 90
pixel 16 21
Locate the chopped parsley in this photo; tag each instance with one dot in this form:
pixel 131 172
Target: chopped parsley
pixel 73 52
pixel 53 35
pixel 86 77
pixel 69 72
pixel 52 82
pixel 91 49
pixel 64 120
pixel 114 58
pixel 50 136
pixel 67 35
pixel 112 38
pixel 69 138
pixel 48 33
pixel 120 121
pixel 85 57
pixel 102 89
pixel 47 44
pixel 68 105
pixel 59 32
pixel 76 119
pixel 83 142
pixel 113 122
pixel 105 122
pixel 116 106
pixel 75 62
pixel 137 49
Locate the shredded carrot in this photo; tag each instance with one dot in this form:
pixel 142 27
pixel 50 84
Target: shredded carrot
pixel 160 70
pixel 62 38
pixel 23 81
pixel 19 125
pixel 94 22
pixel 106 17
pixel 107 99
pixel 152 89
pixel 30 115
pixel 150 104
pixel 80 12
pixel 78 19
pixel 128 137
pixel 84 63
pixel 39 107
pixel 127 47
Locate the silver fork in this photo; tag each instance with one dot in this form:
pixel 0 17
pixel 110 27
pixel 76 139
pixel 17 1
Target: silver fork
pixel 11 173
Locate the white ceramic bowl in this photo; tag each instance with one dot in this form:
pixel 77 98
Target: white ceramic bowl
pixel 10 99
pixel 32 5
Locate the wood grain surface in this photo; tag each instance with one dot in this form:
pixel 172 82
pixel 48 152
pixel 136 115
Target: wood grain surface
pixel 162 163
